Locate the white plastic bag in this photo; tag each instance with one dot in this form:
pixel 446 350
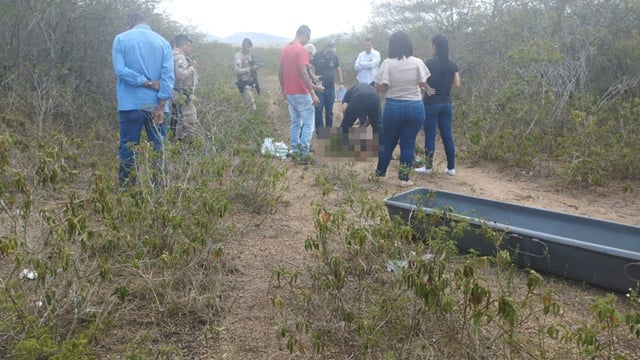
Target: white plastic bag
pixel 281 150
pixel 267 147
pixel 278 149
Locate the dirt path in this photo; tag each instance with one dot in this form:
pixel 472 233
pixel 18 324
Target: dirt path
pixel 273 240
pixel 278 239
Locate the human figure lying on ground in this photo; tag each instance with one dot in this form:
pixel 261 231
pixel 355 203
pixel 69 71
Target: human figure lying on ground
pixel 246 70
pixel 184 120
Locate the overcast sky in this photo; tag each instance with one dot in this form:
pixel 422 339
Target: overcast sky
pixel 275 17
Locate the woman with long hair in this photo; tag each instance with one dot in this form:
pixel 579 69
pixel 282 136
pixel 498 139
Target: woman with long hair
pixel 439 105
pixel 401 76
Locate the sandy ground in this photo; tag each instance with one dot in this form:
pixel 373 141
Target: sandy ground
pixel 278 239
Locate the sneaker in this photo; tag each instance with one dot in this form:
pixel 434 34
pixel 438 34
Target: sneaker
pixel 405 183
pixel 423 170
pixel 450 172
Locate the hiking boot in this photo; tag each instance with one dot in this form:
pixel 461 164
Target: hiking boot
pixel 423 170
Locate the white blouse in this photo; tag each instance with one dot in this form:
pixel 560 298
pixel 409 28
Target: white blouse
pixel 403 77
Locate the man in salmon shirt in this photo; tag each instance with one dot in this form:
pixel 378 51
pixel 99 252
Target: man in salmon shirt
pixel 297 89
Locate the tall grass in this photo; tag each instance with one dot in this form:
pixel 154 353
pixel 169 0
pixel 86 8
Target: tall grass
pixel 143 263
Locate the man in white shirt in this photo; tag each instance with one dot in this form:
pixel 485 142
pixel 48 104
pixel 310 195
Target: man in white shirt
pixel 367 67
pixel 367 63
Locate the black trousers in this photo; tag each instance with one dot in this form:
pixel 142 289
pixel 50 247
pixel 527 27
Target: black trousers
pixel 362 107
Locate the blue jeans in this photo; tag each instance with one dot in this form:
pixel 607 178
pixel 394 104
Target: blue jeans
pixel 131 124
pixel 440 115
pixel 401 121
pixel 302 115
pixel 327 98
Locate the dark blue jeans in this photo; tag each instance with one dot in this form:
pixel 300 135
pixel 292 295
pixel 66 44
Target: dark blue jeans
pixel 440 115
pixel 327 98
pixel 131 124
pixel 401 121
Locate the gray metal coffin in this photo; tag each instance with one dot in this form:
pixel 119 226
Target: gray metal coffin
pixel 602 253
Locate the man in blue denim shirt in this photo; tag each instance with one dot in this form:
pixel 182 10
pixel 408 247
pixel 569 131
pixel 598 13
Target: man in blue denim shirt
pixel 143 63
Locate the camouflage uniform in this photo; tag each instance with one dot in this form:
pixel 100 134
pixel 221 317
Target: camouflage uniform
pixel 242 68
pixel 183 110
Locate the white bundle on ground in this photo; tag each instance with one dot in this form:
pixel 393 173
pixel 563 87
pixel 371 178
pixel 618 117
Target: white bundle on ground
pixel 278 149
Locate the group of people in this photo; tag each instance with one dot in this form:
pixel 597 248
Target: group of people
pixel 154 78
pixel 417 95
